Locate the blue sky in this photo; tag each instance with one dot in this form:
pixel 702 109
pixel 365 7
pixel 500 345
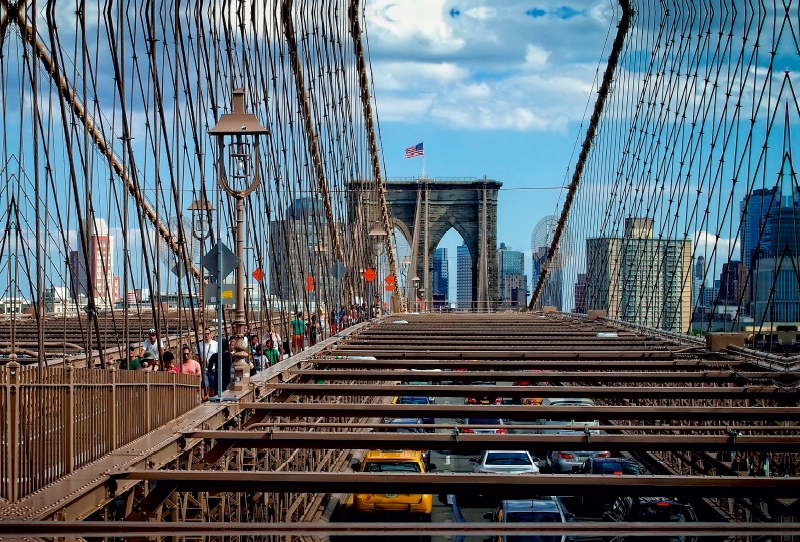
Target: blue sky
pixel 494 88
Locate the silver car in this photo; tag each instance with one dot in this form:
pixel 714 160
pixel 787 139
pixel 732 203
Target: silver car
pixel 505 462
pixel 571 461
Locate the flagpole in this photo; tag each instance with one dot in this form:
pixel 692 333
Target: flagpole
pixel 423 164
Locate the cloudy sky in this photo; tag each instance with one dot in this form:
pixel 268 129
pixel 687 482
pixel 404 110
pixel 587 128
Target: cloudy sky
pixel 496 88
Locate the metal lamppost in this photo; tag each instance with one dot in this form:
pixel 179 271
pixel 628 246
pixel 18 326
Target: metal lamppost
pixel 415 281
pixel 201 215
pixel 378 235
pixel 406 263
pixel 238 174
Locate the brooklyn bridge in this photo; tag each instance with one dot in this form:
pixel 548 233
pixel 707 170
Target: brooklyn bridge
pixel 220 317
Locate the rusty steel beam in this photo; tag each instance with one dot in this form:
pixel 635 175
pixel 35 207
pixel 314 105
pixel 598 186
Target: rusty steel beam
pixel 607 392
pixel 538 428
pixel 471 354
pixel 608 349
pixel 483 484
pixel 529 364
pixel 591 377
pixel 112 529
pixel 514 412
pixel 461 442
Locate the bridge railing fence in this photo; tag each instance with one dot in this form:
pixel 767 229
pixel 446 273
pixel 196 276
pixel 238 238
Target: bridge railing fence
pixel 58 419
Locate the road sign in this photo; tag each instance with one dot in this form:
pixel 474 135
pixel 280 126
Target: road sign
pixel 229 261
pixel 309 286
pixel 228 294
pixel 258 274
pixel 310 280
pixel 389 279
pixel 184 271
pixel 369 275
pixel 338 271
pixel 389 287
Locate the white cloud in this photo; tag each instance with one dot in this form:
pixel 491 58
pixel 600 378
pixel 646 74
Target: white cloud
pixel 482 13
pixel 705 244
pixel 414 75
pixel 419 23
pixel 535 56
pixel 485 65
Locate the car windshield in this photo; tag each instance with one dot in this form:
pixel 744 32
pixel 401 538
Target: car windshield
pixel 615 467
pixel 507 458
pixel 663 513
pixel 484 421
pixel 412 401
pixel 391 466
pixel 533 517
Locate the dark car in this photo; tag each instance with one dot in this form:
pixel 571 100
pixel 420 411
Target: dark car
pixel 610 465
pixel 594 504
pixel 651 509
pixel 483 399
pixel 415 400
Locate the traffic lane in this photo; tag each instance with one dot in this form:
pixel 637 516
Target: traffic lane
pixel 470 507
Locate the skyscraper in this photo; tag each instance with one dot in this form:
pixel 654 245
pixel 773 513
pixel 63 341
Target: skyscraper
pixel 513 284
pixel 757 212
pixel 441 281
pixel 640 279
pixel 551 295
pixel 580 294
pixel 304 234
pixel 98 281
pixel 464 278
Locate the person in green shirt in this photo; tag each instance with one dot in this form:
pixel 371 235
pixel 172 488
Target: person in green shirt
pixel 298 332
pixel 134 361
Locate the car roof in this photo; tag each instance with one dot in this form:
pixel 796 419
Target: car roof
pixel 506 451
pixel 484 421
pixel 393 455
pixel 613 460
pixel 526 505
pixel 409 421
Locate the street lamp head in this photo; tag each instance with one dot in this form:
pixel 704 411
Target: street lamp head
pixel 377 231
pixel 242 153
pixel 406 261
pixel 238 121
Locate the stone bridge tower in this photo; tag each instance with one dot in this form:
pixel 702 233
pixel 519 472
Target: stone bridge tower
pixel 425 209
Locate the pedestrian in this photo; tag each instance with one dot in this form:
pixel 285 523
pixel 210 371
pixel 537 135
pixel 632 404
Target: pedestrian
pixel 313 328
pixel 206 348
pixel 271 352
pixel 153 344
pixel 298 333
pixel 221 363
pixel 189 365
pixel 169 362
pixel 149 361
pixel 134 362
pixel 276 341
pixel 255 355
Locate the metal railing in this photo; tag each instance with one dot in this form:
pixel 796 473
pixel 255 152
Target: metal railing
pixel 58 419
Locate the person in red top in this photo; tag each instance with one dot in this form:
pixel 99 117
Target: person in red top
pixel 189 365
pixel 169 362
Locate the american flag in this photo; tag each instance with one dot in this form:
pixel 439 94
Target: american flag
pixel 416 150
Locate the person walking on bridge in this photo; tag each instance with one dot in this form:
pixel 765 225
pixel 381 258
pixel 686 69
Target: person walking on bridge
pixel 298 333
pixel 205 349
pixel 189 365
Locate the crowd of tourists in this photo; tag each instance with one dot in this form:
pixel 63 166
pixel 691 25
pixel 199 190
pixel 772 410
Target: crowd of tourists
pixel 262 351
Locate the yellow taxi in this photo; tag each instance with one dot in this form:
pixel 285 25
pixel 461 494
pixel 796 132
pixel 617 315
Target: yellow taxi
pixel 395 462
